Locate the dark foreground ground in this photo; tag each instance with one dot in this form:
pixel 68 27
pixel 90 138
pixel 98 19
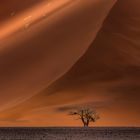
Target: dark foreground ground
pixel 62 133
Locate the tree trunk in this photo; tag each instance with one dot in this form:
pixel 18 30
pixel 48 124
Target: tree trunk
pixel 85 125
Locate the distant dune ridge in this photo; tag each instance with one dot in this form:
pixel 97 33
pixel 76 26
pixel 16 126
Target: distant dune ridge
pixel 58 55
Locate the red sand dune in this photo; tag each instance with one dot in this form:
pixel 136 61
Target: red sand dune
pixel 52 60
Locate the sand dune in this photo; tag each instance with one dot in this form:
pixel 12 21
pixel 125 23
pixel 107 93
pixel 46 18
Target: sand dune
pixel 40 82
pixel 33 58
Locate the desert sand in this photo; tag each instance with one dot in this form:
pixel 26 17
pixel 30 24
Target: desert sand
pixel 58 55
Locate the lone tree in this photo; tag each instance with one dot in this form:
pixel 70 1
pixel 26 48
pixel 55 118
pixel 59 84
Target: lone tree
pixel 86 115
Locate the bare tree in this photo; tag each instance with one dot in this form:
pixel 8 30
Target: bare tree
pixel 86 115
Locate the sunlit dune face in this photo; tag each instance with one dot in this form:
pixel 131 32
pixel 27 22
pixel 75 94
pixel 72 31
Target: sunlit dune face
pixel 58 55
pixel 19 22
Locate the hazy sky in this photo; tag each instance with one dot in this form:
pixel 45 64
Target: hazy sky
pixel 57 55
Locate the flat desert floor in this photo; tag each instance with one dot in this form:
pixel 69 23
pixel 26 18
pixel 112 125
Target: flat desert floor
pixel 69 133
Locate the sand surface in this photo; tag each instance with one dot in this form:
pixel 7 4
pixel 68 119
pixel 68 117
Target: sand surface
pixel 63 133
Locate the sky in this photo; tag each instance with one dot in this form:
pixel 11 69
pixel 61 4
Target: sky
pixel 58 55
